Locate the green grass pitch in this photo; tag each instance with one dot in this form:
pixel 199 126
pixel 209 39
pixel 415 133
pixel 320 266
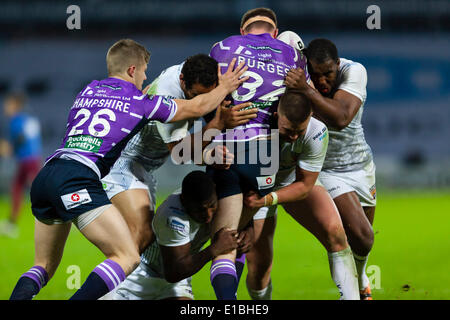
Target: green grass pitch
pixel 409 260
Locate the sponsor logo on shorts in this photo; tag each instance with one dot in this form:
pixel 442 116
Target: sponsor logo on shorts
pixel 75 199
pixel 265 182
pixel 333 189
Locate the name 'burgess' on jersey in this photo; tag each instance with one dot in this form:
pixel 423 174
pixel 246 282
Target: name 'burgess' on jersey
pixel 268 62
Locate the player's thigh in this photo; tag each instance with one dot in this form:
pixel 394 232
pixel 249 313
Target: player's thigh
pixel 370 213
pixel 49 242
pixel 351 212
pixel 110 233
pixel 228 213
pixel 135 206
pixel 318 214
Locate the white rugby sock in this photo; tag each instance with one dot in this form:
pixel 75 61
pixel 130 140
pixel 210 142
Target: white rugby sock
pixel 263 294
pixel 361 263
pixel 343 272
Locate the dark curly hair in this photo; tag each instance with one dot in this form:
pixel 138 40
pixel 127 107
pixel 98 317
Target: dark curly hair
pixel 201 69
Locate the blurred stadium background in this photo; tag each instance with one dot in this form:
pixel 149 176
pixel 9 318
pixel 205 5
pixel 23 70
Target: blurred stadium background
pixel 406 117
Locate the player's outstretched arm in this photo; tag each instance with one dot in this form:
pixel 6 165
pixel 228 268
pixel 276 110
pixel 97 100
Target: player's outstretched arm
pixel 180 263
pixel 205 103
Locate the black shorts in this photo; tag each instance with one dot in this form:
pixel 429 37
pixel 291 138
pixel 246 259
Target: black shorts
pixel 243 177
pixel 65 189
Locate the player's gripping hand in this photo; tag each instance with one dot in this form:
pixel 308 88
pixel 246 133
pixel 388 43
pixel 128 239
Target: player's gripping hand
pixel 232 78
pixel 296 79
pixel 245 239
pixel 253 200
pixel 224 241
pixel 218 157
pixel 237 115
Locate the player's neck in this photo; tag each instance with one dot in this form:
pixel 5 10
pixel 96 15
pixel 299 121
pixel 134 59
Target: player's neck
pixel 257 32
pixel 127 79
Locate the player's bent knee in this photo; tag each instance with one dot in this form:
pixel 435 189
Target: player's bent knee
pixel 128 262
pixel 145 238
pixel 362 241
pixel 336 240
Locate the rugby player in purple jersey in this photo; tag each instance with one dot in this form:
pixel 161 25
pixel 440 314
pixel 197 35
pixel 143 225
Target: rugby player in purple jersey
pixel 268 61
pixel 313 207
pixel 106 114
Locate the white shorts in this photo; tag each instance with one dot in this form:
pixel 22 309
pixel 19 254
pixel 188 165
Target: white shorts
pixel 143 284
pixel 129 174
pixel 362 182
pixel 265 212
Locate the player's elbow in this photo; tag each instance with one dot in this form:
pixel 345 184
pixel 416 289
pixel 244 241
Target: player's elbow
pixel 341 122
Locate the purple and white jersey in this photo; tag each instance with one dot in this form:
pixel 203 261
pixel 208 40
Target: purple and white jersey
pixel 104 117
pixel 268 62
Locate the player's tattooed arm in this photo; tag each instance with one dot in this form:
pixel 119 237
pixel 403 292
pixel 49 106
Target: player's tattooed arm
pixel 205 103
pixel 337 111
pixel 180 263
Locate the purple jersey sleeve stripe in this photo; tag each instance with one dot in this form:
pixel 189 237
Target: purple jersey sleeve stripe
pixel 158 103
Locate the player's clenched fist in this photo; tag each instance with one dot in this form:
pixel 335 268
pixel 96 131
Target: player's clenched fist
pixel 224 241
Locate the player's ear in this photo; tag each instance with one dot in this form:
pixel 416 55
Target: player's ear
pixel 182 83
pixel 242 32
pixel 275 33
pixel 131 71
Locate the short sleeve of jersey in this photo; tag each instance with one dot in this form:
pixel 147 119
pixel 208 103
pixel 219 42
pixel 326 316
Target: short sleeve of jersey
pixel 173 132
pixel 354 80
pixel 159 108
pixel 170 228
pixel 214 50
pixel 168 84
pixel 314 147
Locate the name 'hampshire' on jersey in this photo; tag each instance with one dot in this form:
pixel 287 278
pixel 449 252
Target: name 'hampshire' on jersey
pixel 104 117
pixel 268 62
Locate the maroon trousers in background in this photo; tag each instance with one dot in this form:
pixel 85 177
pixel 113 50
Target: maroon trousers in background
pixel 26 172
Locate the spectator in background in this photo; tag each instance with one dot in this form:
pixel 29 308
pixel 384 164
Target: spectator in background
pixel 25 145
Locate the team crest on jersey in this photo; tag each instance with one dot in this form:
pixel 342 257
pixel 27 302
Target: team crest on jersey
pixel 75 199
